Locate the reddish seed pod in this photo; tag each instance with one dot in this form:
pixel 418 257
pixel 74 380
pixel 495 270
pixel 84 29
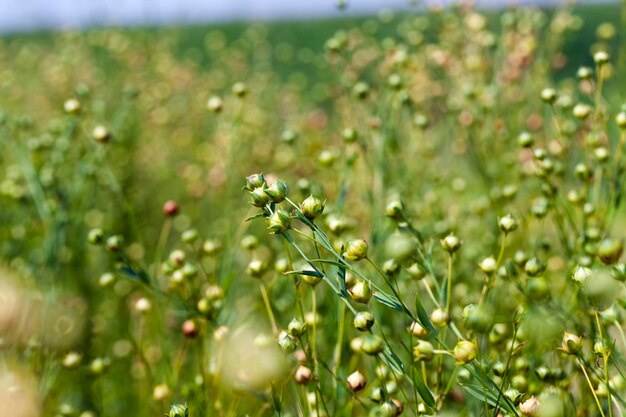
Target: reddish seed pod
pixel 171 208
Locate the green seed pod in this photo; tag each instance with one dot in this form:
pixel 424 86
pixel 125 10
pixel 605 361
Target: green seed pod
pixel 95 236
pixel 499 368
pixel 356 250
pixel 423 351
pixel 478 319
pixel 610 250
pixel 377 395
pixel 281 265
pixel 520 383
pixel 279 222
pixel 363 321
pixel 361 292
pixel 620 119
pixel 296 328
pixel 465 352
pixel 420 120
pixel 312 207
pixel 277 191
pixel 372 344
pixel 179 410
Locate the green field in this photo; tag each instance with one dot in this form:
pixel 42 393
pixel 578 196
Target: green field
pixel 440 217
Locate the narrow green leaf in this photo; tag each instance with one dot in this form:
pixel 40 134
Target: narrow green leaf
pixel 423 316
pixel 388 301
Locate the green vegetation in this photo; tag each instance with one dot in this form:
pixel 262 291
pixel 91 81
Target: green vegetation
pixel 415 214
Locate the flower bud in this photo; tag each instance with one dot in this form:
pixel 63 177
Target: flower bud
pixel 296 328
pixel 211 247
pixel 189 236
pixel 581 274
pixel 451 243
pixel 256 268
pixel 72 360
pixel 488 265
pixel 161 392
pixel 581 111
pixel 143 305
pixel 277 191
pixel 548 95
pixel 584 73
pixel 372 345
pixel 240 89
pixel 417 330
pixel 423 351
pixel 101 134
pixel 356 250
pixel 356 381
pixel 286 342
pixel 179 410
pixel 95 236
pixel 363 321
pixel 279 222
pixel 114 243
pixel 395 209
pixel 610 250
pixel 440 317
pixel 601 58
pixel 303 375
pixel 189 329
pixel 312 207
pixel 465 352
pixel 416 272
pixel 361 292
pixel 72 106
pixel 214 104
pixel 534 267
pixel 529 407
pixel 259 197
pixel 571 343
pixel 507 223
pixel 525 140
pixel 254 181
pixel 170 208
